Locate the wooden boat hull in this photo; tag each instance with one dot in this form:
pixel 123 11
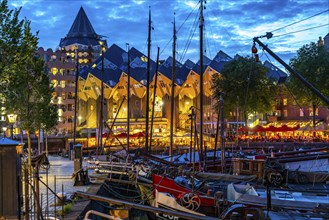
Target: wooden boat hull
pixel 164 184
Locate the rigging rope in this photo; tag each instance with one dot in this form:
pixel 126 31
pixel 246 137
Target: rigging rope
pixel 195 22
pixel 301 30
pixel 179 28
pixel 211 34
pixel 300 21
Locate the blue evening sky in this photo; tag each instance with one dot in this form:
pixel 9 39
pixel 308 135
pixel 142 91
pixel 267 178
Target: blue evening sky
pixel 230 25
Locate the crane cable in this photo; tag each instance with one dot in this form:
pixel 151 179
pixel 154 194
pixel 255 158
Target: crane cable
pixel 301 30
pixel 300 20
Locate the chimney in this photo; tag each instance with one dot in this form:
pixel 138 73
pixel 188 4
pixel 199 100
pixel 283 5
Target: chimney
pixel 326 41
pixel 320 42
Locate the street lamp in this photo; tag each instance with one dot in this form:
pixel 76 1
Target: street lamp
pixel 4 129
pixel 11 119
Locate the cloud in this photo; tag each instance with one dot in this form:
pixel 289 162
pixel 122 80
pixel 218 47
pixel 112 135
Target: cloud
pixel 191 4
pixel 229 25
pixel 39 13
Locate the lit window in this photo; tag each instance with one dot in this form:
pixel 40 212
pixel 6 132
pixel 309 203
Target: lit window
pixel 311 111
pixel 61 71
pixel 301 112
pixel 144 59
pixel 62 83
pixel 285 102
pixel 278 113
pixel 60 113
pixel 54 82
pixel 277 102
pixel 54 95
pixel 54 71
pixel 285 113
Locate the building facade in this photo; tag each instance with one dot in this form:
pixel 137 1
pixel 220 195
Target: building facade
pixel 103 88
pixel 76 51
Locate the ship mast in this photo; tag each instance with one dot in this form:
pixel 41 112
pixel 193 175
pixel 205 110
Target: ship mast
pixel 101 118
pixel 171 146
pixel 154 95
pixel 148 85
pixel 201 78
pixel 128 98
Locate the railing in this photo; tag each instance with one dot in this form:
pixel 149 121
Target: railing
pixel 93 212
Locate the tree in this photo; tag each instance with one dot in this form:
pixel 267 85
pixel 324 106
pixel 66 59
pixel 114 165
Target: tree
pixel 245 85
pixel 312 62
pixel 24 83
pixel 48 116
pixel 27 91
pixel 10 36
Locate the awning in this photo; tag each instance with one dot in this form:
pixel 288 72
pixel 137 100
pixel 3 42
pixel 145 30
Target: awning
pixel 271 128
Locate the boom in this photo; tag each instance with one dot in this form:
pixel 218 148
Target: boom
pixel 290 69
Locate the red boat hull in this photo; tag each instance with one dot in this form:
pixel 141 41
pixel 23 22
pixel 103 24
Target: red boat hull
pixel 167 185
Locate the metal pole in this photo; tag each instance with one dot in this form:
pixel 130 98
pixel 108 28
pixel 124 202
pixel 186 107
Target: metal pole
pixel 268 199
pixel 63 201
pixel 237 120
pixel 47 208
pixel 101 116
pixel 55 195
pixel 183 215
pixel 76 95
pixel 217 131
pixel 191 137
pixel 18 181
pixel 93 212
pixel 11 131
pixel 41 203
pixel 195 143
pixel 222 133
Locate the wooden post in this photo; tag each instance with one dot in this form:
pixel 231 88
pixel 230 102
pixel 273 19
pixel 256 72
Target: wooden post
pixel 26 191
pixel 9 192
